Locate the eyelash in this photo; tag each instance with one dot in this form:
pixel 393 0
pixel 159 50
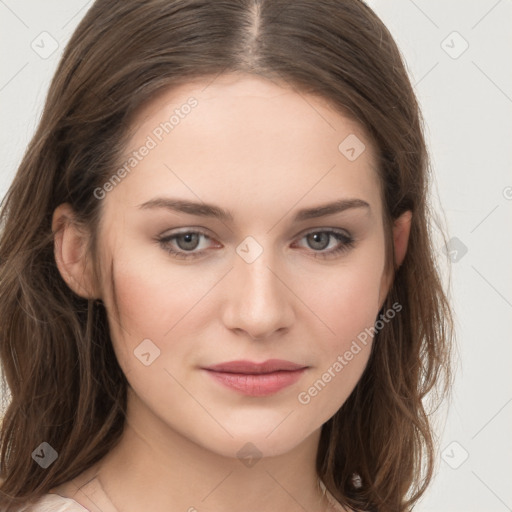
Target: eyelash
pixel 347 243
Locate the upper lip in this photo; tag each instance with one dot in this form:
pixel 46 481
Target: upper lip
pixel 249 367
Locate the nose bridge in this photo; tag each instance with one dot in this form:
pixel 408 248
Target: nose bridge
pixel 260 302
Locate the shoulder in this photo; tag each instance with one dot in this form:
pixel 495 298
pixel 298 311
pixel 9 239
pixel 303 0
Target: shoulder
pixel 54 503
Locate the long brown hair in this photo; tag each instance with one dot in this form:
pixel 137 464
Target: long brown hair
pixel 66 386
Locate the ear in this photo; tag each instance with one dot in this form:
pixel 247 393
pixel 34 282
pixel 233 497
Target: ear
pixel 401 231
pixel 70 249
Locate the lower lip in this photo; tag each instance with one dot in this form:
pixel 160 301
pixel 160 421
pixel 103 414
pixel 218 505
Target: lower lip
pixel 258 385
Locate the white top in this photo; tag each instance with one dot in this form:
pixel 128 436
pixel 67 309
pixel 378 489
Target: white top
pixel 57 503
pixel 91 493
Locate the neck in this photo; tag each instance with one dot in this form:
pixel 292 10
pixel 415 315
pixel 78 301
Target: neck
pixel 156 468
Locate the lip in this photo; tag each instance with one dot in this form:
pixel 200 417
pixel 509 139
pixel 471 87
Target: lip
pixel 249 367
pixel 257 379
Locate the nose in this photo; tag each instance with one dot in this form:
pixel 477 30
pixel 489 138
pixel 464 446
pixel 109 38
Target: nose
pixel 259 301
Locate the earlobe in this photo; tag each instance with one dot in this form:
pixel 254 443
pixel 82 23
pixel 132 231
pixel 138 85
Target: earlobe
pixel 70 249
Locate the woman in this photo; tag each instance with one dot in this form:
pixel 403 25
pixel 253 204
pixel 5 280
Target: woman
pixel 218 287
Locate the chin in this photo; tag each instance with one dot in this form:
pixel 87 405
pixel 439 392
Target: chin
pixel 255 442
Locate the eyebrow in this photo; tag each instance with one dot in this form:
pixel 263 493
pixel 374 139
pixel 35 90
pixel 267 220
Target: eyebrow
pixel 210 210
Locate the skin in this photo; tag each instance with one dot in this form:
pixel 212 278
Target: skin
pixel 263 151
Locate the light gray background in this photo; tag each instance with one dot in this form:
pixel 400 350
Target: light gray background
pixel 467 103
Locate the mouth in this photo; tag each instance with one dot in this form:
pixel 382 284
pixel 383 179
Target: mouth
pixel 257 379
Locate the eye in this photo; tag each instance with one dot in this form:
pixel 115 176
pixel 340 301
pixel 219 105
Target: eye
pixel 188 241
pixel 320 240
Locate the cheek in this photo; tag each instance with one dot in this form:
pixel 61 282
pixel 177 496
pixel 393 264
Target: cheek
pixel 150 302
pixel 347 301
pixel 153 295
pixel 348 306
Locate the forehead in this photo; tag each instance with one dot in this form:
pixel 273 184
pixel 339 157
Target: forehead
pixel 245 138
pixel 248 98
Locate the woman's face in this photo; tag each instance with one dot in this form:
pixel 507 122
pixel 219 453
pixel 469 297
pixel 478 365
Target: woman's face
pixel 215 259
